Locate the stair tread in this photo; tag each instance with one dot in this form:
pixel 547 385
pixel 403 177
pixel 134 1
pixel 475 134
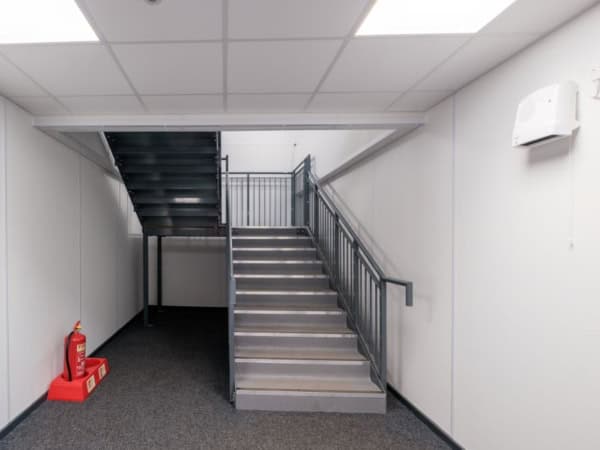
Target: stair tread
pixel 273 249
pixel 288 292
pixel 281 275
pixel 276 261
pixel 291 329
pixel 300 353
pixel 305 384
pixel 262 237
pixel 282 309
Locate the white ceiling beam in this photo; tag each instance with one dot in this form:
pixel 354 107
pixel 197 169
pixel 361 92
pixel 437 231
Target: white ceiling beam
pixel 229 122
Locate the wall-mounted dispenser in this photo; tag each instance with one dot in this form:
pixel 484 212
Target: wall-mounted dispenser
pixel 546 115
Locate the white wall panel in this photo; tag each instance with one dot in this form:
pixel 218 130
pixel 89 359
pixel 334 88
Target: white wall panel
pixel 527 309
pixel 3 285
pixel 129 262
pixel 43 256
pixel 99 247
pixel 194 272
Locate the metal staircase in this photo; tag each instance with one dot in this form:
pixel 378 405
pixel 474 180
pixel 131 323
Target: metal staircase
pixel 293 348
pixel 307 301
pixel 172 179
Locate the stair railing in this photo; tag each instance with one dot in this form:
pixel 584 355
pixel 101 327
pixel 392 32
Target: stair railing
pixel 231 288
pixel 359 280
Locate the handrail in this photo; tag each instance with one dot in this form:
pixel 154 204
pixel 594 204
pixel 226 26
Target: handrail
pixel 331 205
pixel 231 287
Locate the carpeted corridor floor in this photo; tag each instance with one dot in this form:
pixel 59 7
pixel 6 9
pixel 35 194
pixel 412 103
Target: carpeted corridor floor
pixel 166 390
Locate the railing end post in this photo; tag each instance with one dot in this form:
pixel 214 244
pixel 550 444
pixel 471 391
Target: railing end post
pixel 409 294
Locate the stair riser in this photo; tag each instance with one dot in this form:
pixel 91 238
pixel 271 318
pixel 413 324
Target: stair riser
pixel 268 231
pixel 278 268
pixel 262 255
pixel 296 343
pixel 333 369
pixel 293 320
pixel 286 300
pixel 265 401
pixel 268 242
pixel 275 284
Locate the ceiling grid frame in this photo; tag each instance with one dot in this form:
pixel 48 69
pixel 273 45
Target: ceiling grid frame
pixel 102 39
pixel 267 22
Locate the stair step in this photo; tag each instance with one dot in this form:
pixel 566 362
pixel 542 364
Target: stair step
pixel 272 241
pixel 333 332
pixel 302 368
pixel 270 231
pixel 274 352
pixel 359 399
pixel 278 266
pixel 277 253
pixel 297 342
pixel 293 318
pixel 286 298
pixel 282 281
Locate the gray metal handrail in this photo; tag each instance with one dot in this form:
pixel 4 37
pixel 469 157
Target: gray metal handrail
pixel 231 288
pixel 358 278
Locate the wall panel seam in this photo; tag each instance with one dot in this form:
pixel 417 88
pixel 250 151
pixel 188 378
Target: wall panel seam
pixel 453 264
pixel 5 237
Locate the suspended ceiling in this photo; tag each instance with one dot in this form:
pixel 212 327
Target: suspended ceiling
pixel 262 56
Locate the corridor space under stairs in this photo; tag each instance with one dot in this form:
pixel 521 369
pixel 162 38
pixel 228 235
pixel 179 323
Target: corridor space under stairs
pixel 294 350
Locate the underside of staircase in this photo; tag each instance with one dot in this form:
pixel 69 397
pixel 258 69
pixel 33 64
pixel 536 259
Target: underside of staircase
pixel 294 350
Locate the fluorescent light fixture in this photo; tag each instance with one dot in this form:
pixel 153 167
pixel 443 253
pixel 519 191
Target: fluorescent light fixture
pixel 187 200
pixel 394 17
pixel 39 21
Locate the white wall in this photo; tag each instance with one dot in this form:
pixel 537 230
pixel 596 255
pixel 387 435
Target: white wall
pixel 193 272
pixel 3 283
pixel 501 348
pixel 282 150
pixel 69 241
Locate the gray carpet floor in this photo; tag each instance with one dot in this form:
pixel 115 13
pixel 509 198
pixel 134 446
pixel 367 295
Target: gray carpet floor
pixel 166 390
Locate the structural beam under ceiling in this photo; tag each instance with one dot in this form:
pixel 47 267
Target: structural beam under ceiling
pixel 229 122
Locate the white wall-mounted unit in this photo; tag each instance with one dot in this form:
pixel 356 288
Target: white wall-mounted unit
pixel 546 115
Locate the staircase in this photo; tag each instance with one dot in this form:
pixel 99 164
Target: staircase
pixel 172 179
pixel 293 350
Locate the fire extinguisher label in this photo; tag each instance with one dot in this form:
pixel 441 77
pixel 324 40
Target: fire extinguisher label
pixel 91 383
pixel 102 371
pixel 81 348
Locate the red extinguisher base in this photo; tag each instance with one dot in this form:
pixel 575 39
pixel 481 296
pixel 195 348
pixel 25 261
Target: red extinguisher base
pixel 79 389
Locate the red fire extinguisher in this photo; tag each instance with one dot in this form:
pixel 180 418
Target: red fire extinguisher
pixel 74 366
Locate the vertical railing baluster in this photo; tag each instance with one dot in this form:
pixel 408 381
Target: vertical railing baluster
pixel 336 250
pixel 383 347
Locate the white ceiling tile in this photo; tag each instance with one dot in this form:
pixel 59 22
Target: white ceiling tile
pixel 352 102
pixel 267 103
pixel 41 106
pixel 188 68
pixel 389 63
pixel 279 66
pixel 169 20
pixel 474 59
pixel 111 104
pixel 70 69
pixel 535 16
pixel 276 19
pixel 419 101
pixel 14 83
pixel 183 104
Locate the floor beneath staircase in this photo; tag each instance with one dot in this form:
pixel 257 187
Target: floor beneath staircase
pixel 167 388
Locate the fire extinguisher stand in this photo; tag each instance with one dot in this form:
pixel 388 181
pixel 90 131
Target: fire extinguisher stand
pixel 80 375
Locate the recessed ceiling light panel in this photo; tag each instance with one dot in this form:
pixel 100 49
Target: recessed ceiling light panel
pixel 38 21
pixel 397 17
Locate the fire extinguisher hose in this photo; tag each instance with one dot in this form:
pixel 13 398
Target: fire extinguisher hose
pixel 68 363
